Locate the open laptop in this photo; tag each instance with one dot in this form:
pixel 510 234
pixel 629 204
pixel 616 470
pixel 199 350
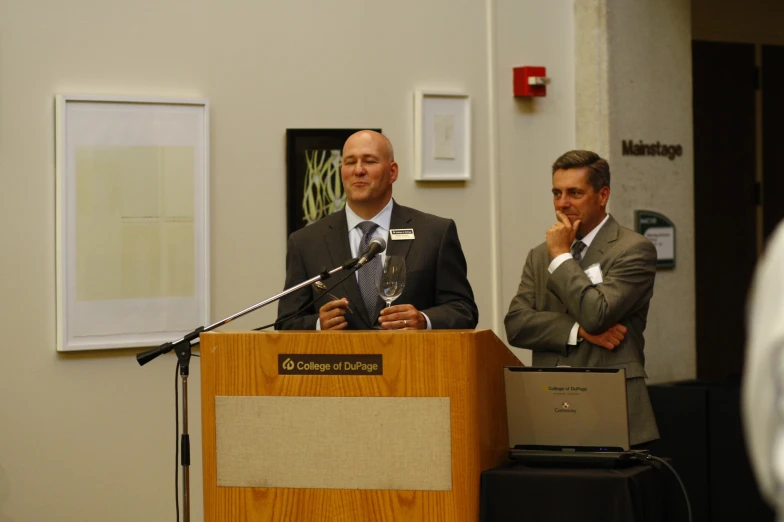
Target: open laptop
pixel 570 416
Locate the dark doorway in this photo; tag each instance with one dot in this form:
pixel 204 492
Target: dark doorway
pixel 772 137
pixel 725 202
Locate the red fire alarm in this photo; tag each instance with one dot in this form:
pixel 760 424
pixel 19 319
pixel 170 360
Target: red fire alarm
pixel 530 81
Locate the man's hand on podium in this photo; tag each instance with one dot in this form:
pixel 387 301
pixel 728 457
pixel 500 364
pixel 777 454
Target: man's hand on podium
pixel 403 316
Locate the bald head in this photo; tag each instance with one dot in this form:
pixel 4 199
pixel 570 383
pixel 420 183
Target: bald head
pixel 368 172
pixel 382 143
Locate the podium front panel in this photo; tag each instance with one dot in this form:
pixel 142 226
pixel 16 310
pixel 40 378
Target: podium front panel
pixel 358 442
pixel 285 441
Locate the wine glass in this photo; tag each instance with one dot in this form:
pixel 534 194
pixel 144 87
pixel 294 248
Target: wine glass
pixel 391 279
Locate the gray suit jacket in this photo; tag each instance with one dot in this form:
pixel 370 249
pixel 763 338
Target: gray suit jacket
pixel 436 272
pixel 546 307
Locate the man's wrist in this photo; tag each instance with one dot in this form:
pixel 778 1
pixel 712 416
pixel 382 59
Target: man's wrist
pixel 574 335
pixel 556 262
pixel 428 326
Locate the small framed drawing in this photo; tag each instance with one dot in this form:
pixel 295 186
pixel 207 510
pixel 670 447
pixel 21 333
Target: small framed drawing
pixel 132 220
pixel 442 136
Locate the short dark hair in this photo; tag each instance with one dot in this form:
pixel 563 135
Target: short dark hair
pixel 598 168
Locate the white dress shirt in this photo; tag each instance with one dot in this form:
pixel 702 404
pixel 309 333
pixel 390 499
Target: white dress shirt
pixel 382 219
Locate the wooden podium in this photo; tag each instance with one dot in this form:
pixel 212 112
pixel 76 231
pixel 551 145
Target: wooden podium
pixel 350 426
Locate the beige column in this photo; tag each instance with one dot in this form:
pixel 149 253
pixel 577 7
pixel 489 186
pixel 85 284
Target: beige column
pixel 633 82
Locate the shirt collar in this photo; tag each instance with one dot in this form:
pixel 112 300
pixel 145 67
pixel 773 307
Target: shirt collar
pixel 592 234
pixel 382 219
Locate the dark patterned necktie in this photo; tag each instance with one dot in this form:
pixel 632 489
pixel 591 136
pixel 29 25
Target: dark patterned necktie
pixel 366 276
pixel 577 250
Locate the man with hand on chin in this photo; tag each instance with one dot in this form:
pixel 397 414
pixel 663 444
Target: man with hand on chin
pixel 584 293
pixel 437 293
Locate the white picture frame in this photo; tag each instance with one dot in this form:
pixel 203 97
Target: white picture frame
pixel 442 136
pixel 132 231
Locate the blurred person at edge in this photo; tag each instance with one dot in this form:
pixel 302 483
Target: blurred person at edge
pixel 762 392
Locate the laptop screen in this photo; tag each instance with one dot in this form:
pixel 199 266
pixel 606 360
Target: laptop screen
pixel 567 408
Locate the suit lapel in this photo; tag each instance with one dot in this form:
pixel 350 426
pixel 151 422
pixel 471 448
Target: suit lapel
pixel 340 252
pixel 337 239
pixel 604 239
pixel 401 218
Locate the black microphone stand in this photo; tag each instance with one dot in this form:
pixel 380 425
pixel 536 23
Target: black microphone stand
pixel 182 347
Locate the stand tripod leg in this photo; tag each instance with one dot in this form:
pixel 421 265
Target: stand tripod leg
pixel 185 446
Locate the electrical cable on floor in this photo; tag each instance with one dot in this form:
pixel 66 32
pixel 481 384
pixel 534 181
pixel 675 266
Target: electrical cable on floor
pixel 656 462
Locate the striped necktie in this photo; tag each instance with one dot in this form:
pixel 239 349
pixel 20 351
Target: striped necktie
pixel 366 276
pixel 577 250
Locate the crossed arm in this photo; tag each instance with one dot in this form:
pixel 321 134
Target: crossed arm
pixel 535 321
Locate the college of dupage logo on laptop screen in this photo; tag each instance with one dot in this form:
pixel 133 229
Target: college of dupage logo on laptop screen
pixel 560 410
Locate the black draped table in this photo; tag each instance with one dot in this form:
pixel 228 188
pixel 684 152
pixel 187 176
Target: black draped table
pixel 640 493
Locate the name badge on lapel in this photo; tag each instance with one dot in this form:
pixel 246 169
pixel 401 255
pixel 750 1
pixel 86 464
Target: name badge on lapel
pixel 397 234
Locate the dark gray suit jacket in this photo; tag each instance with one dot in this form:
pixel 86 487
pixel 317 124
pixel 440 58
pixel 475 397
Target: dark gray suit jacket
pixel 436 272
pixel 547 305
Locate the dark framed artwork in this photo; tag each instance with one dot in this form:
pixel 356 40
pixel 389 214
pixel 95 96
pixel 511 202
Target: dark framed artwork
pixel 314 188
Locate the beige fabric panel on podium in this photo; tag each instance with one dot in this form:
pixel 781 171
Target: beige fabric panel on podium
pixel 387 443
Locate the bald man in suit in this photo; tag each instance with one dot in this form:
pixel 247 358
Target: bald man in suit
pixel 437 293
pixel 584 293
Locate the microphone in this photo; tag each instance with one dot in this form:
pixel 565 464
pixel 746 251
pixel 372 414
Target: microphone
pixel 375 247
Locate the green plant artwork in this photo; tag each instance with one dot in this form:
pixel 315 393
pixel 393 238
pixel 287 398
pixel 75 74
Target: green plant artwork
pixel 323 193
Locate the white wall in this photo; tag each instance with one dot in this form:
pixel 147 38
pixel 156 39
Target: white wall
pixel 89 437
pixel 532 132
